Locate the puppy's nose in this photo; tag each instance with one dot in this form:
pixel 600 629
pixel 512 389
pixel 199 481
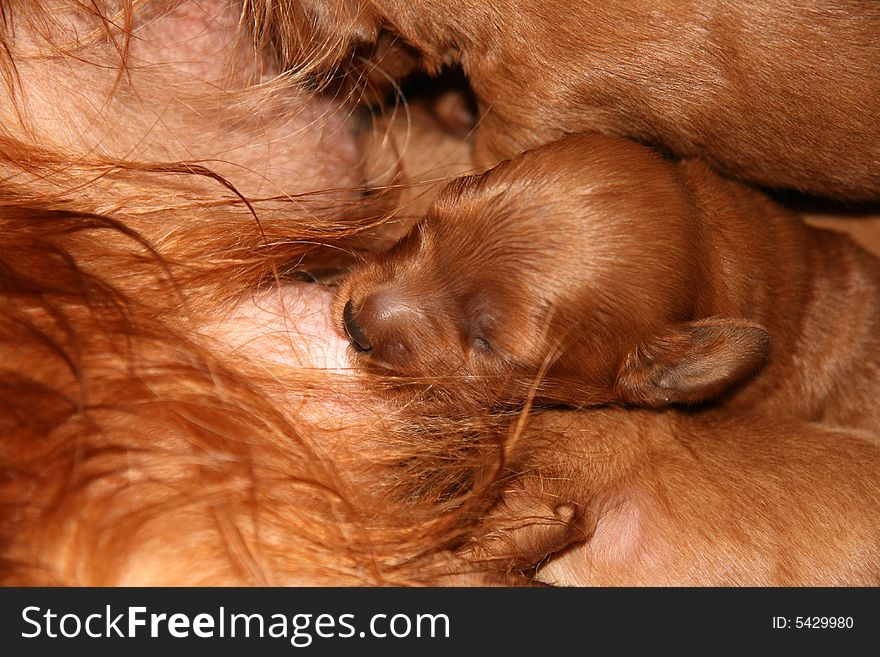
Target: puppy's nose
pixel 354 331
pixel 384 325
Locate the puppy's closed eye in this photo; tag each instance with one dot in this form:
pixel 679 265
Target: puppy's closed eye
pixel 484 324
pixel 481 344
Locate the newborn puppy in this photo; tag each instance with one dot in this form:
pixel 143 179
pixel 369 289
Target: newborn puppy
pixel 592 271
pixel 660 499
pixel 779 93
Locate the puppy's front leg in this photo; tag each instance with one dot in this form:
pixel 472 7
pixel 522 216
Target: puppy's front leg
pixel 525 528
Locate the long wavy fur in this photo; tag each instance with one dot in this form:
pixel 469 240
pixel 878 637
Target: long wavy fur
pixel 134 451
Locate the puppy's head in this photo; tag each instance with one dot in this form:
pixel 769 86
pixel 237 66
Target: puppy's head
pixel 574 273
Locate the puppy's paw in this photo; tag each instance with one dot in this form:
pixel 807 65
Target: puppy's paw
pixel 524 529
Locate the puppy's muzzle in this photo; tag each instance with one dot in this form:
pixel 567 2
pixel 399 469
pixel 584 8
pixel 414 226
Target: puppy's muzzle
pixel 353 330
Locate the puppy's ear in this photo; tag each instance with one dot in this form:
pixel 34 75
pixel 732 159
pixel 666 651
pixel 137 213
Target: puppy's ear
pixel 692 362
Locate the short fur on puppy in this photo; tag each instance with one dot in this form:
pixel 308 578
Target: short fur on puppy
pixel 780 93
pixel 635 498
pixel 592 271
pixel 163 405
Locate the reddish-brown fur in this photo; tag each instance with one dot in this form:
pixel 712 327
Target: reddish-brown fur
pixel 158 189
pixel 634 498
pixel 778 93
pixel 593 271
pixel 149 200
